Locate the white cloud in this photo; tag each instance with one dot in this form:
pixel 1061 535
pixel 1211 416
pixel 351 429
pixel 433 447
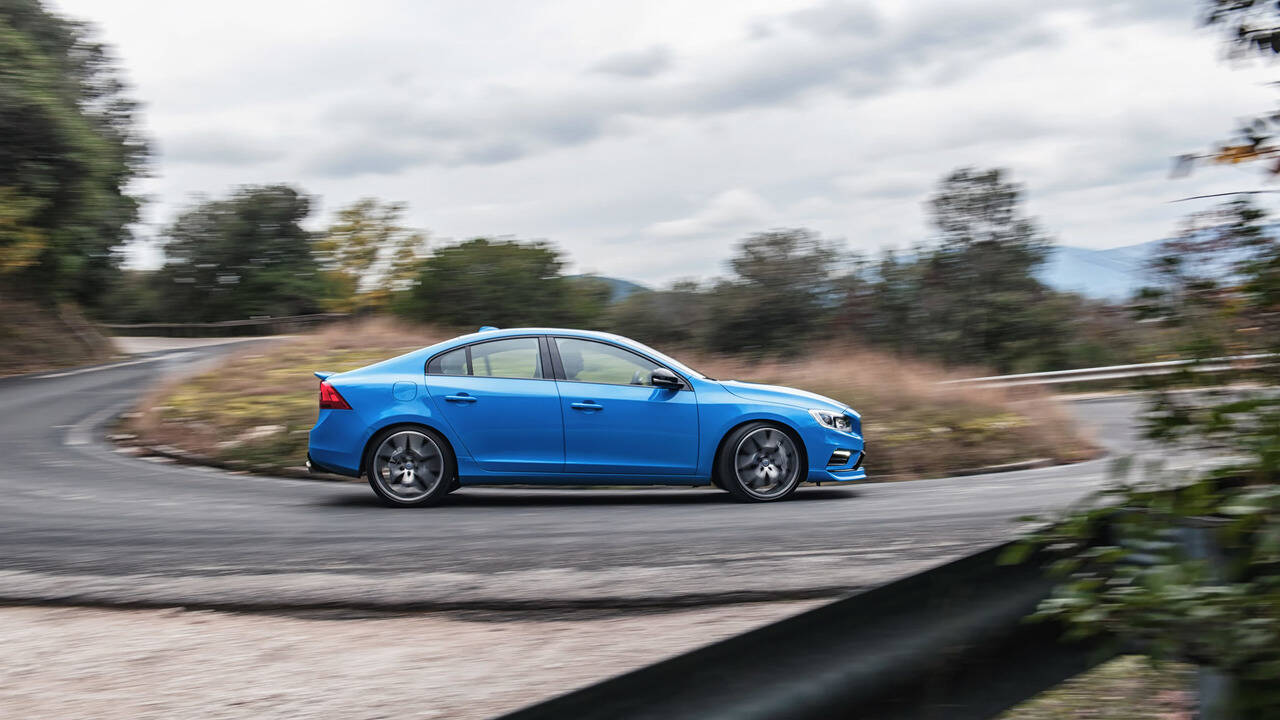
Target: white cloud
pixel 606 128
pixel 732 210
pixel 640 64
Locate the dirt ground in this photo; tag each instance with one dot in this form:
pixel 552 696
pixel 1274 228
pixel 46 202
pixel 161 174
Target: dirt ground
pixel 75 662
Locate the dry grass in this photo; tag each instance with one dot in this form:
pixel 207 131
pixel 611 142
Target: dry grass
pixel 257 407
pixel 915 426
pixel 35 338
pixel 226 413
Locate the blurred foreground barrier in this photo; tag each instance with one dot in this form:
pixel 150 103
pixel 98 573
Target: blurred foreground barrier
pixel 1116 372
pixel 228 328
pixel 948 643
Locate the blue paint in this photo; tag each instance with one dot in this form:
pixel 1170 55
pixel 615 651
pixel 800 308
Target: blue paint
pixel 569 420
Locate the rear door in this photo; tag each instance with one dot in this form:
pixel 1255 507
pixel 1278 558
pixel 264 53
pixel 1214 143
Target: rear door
pixel 615 421
pixel 501 401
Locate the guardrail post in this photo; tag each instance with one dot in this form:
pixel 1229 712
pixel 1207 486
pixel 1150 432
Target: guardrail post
pixel 1218 690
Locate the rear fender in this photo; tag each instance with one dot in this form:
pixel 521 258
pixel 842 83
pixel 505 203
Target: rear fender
pixel 459 450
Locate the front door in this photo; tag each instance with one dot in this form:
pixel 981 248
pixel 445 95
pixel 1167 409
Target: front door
pixel 502 404
pixel 615 421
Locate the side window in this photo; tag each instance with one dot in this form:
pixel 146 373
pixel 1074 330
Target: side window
pixel 453 362
pixel 514 358
pixel 589 361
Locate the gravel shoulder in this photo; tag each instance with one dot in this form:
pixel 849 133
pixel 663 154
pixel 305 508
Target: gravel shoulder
pixel 74 662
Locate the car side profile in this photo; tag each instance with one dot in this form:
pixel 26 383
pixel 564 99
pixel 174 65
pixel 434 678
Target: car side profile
pixel 562 407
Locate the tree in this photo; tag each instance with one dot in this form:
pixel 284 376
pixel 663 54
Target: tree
pixel 244 256
pixel 1250 29
pixel 1215 600
pixel 69 145
pixel 369 254
pixel 498 282
pixel 678 317
pixel 1194 278
pixel 1218 606
pixel 881 303
pixel 979 292
pixel 780 293
pixel 971 295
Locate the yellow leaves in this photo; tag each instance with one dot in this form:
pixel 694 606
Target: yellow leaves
pixel 1236 154
pixel 20 243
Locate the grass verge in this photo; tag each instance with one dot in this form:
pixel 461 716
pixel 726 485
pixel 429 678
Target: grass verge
pixel 255 409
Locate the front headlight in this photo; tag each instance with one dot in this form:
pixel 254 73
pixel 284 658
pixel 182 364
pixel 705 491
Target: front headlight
pixel 833 420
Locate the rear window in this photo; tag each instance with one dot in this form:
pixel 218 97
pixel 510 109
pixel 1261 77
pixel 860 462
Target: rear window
pixel 453 362
pixel 510 358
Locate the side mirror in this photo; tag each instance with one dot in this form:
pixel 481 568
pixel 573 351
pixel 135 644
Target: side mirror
pixel 664 378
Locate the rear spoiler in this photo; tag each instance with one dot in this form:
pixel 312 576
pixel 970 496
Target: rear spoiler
pixel 322 375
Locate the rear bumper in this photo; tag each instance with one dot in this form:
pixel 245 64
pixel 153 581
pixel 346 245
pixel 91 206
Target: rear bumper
pixel 316 466
pixel 335 443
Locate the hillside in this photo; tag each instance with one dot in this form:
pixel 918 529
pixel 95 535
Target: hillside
pixel 34 338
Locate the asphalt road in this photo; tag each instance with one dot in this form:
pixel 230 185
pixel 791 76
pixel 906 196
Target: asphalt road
pixel 81 523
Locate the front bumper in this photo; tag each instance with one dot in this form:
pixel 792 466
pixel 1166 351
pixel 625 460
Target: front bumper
pixel 837 474
pixel 822 443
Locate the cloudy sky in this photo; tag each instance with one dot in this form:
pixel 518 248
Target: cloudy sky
pixel 645 139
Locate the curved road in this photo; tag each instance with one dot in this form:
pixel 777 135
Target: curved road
pixel 81 523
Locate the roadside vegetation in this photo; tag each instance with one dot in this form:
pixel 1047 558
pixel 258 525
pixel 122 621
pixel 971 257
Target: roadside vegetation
pixel 255 409
pixel 37 338
pixel 1129 687
pixel 1187 565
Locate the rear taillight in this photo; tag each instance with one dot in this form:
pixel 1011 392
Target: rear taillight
pixel 330 399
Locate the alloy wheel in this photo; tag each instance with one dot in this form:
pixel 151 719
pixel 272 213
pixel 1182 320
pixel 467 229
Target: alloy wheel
pixel 766 462
pixel 408 465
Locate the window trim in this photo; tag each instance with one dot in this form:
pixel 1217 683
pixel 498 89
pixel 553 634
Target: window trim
pixel 559 367
pixel 544 356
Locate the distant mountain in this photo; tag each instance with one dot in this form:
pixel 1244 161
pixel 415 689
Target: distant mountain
pixel 1112 274
pixel 1115 274
pixel 619 289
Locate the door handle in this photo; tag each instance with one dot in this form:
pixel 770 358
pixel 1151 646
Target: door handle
pixel 588 405
pixel 462 398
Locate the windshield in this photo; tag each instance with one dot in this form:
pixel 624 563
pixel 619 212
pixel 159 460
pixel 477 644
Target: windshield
pixel 667 359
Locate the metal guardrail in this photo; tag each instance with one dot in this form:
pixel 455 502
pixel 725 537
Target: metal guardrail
pixel 228 328
pixel 951 642
pixel 1115 372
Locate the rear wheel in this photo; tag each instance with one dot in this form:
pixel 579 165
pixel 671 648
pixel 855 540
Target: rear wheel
pixel 759 462
pixel 410 466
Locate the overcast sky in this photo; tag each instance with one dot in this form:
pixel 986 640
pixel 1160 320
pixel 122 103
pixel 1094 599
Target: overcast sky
pixel 646 138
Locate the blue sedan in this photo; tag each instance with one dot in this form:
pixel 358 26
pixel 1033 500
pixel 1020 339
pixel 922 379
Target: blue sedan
pixel 561 407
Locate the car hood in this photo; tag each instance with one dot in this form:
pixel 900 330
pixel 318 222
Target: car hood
pixel 783 396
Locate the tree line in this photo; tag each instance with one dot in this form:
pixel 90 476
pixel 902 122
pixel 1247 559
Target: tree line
pixel 969 296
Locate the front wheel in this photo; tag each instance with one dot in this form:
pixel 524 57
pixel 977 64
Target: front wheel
pixel 409 467
pixel 759 462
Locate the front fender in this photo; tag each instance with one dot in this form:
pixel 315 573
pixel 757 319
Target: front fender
pixel 721 419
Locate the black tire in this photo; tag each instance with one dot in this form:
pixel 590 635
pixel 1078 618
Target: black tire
pixel 776 468
pixel 443 474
